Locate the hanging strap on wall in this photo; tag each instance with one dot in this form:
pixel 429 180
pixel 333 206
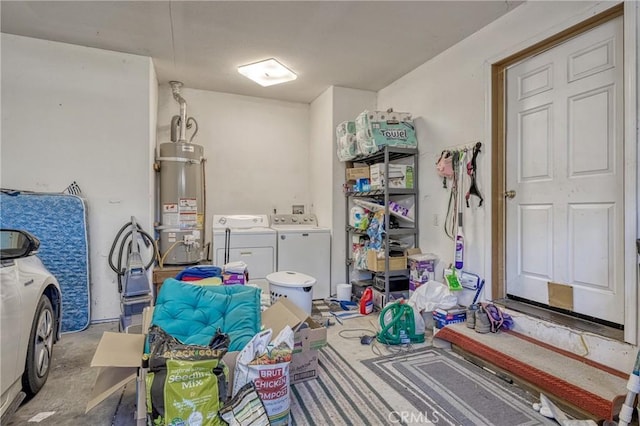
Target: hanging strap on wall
pixel 471 171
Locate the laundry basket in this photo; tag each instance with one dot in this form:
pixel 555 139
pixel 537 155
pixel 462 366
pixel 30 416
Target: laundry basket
pixel 294 286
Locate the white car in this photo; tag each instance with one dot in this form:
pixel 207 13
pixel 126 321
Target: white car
pixel 30 319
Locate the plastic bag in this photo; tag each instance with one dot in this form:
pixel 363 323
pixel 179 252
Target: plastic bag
pixel 432 295
pixel 245 408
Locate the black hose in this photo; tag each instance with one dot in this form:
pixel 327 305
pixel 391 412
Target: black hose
pixel 146 239
pixel 113 247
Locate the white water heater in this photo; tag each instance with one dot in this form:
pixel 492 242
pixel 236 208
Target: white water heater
pixel 181 196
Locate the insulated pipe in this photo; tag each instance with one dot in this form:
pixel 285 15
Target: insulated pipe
pixel 175 123
pixel 175 89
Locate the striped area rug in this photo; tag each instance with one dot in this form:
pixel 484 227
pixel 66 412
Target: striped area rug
pixel 339 396
pixel 447 389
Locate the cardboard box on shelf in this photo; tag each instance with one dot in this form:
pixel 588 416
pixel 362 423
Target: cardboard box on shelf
pixel 119 355
pixel 422 266
pixel 356 173
pixel 376 264
pixel 400 176
pixel 400 210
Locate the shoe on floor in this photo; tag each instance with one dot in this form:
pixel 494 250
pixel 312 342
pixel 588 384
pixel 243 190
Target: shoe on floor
pixel 471 316
pixel 483 325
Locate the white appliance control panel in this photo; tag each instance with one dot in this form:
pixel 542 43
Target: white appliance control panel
pixel 294 219
pixel 240 221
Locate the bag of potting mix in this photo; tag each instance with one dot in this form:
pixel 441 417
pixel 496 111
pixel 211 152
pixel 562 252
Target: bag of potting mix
pixel 186 384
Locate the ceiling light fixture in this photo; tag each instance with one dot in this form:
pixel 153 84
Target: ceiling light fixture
pixel 267 72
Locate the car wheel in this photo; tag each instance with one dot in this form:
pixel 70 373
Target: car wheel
pixel 40 348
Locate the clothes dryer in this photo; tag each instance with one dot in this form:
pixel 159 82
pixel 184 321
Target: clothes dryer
pixel 304 247
pixel 246 238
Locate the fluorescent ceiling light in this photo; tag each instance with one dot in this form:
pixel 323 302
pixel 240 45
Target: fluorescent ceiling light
pixel 267 72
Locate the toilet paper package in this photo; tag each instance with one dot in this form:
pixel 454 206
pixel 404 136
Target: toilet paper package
pixel 346 141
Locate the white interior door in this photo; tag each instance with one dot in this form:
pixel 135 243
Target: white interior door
pixel 565 163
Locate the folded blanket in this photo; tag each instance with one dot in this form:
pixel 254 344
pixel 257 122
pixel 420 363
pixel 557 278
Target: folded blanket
pixel 201 271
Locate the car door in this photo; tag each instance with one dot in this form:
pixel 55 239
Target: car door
pixel 10 319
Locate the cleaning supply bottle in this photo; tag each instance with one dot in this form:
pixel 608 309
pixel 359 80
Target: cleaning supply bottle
pixel 459 257
pixel 366 302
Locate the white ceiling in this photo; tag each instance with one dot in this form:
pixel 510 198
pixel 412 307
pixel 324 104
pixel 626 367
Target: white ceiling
pixel 357 44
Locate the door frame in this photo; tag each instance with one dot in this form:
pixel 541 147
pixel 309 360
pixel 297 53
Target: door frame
pixel 496 99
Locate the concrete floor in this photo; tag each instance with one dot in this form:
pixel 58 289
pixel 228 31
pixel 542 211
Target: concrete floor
pixel 68 388
pixel 71 379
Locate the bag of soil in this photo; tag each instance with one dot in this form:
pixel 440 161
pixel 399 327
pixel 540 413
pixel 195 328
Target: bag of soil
pixel 186 384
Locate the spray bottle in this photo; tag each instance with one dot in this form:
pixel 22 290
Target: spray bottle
pixel 459 257
pixel 366 302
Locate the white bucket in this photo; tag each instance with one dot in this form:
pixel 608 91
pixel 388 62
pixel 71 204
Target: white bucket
pixel 344 292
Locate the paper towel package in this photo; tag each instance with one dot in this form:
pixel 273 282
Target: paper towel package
pixel 379 128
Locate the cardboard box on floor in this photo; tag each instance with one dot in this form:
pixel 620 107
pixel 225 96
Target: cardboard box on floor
pixel 119 355
pixel 309 336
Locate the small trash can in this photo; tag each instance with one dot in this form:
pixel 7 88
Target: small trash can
pixel 294 286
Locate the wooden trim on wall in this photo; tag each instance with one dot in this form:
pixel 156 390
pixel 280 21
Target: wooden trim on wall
pixel 498 136
pixel 498 219
pixel 563 36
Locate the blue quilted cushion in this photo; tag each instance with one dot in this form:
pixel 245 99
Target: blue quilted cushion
pixel 188 312
pixel 242 318
pixel 193 313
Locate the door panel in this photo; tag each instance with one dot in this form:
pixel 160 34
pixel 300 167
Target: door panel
pixel 11 314
pixel 260 260
pixel 535 143
pixel 564 160
pixel 589 223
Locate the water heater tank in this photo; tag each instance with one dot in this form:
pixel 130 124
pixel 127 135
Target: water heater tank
pixel 181 203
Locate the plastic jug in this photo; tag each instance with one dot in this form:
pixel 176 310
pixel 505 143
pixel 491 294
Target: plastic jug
pixel 366 302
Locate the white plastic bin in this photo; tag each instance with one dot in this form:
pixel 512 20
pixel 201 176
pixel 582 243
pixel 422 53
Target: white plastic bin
pixel 294 286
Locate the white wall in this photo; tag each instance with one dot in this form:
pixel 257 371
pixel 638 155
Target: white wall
pixel 71 113
pixel 321 157
pixel 327 174
pixel 257 150
pixel 347 104
pixel 448 97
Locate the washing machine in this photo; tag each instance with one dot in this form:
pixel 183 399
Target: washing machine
pixel 247 238
pixel 304 247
